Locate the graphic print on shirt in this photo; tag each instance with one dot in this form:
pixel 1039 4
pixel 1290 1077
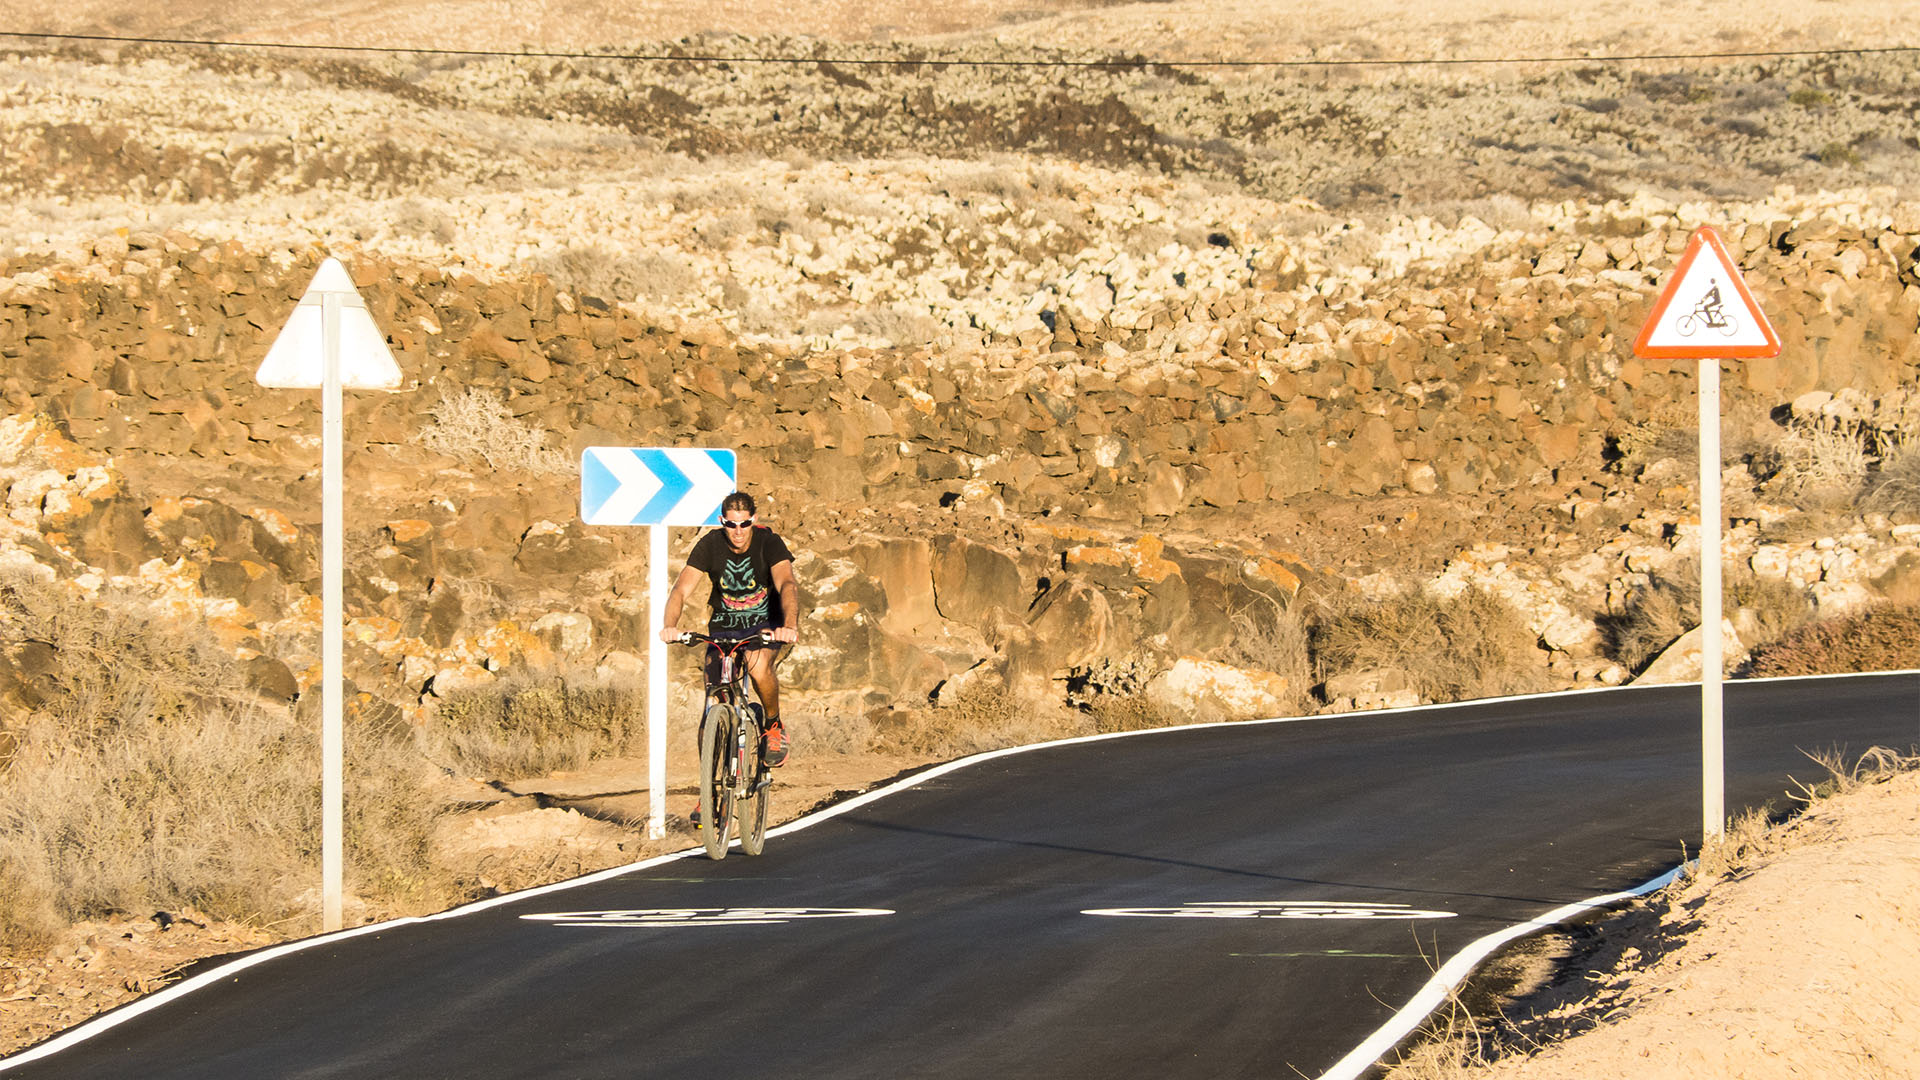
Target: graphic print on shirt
pixel 742 596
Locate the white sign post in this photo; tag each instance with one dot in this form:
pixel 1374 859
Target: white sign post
pixel 658 487
pixel 329 343
pixel 1706 313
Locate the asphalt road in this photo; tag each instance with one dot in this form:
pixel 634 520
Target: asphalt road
pixel 950 934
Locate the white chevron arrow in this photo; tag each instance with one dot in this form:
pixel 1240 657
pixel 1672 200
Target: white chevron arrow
pixel 637 487
pixel 711 485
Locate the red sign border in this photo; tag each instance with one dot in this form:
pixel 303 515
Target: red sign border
pixel 1703 237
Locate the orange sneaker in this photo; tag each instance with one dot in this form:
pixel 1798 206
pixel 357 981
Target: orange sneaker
pixel 773 749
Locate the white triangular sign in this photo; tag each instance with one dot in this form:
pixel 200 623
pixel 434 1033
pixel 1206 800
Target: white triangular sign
pixel 297 360
pixel 1706 310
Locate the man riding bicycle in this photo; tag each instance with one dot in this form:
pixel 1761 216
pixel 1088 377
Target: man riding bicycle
pixel 753 590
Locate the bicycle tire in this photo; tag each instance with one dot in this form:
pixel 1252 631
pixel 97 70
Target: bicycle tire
pixel 716 778
pixel 751 809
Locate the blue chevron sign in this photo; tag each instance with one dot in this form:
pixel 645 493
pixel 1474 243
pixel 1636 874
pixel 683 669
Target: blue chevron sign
pixel 629 485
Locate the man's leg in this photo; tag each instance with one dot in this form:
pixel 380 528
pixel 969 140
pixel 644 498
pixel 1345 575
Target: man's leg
pixel 765 682
pixel 767 685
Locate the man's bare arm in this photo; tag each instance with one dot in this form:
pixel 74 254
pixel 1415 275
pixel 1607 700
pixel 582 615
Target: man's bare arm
pixel 683 587
pixel 789 601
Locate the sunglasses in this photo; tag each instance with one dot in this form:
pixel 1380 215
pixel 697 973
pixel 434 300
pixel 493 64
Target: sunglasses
pixel 736 524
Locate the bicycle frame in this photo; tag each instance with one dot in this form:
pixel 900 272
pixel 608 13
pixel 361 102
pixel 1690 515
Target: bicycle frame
pixel 732 775
pixel 731 687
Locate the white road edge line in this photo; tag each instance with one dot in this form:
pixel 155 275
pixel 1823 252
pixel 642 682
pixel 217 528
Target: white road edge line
pixel 1455 971
pixel 108 1021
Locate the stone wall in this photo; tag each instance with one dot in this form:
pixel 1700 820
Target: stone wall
pixel 1125 416
pixel 1521 364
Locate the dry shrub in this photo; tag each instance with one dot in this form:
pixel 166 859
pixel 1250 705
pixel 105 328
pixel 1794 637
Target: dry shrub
pixel 1274 637
pixel 147 783
pixel 1895 487
pixel 826 730
pixel 1654 617
pixel 983 716
pixel 1453 1044
pixel 534 726
pixel 476 426
pixel 1111 693
pixel 1468 646
pixel 1877 766
pixel 1750 838
pixel 108 660
pixel 1885 638
pixel 1747 841
pixel 1668 605
pixel 1131 712
pixel 1821 458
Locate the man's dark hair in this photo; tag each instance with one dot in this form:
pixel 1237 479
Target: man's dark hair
pixel 739 500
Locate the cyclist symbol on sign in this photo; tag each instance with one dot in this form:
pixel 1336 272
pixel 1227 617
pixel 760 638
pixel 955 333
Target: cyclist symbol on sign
pixel 1709 312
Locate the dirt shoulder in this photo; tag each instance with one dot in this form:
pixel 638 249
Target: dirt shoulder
pixel 97 966
pixel 1803 961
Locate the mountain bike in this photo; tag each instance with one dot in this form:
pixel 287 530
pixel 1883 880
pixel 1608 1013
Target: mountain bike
pixel 733 776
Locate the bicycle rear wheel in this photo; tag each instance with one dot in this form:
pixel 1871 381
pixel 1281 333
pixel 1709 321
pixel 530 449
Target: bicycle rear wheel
pixel 717 729
pixel 752 808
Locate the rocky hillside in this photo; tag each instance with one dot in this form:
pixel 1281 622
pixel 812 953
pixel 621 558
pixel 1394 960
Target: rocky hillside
pixel 1036 374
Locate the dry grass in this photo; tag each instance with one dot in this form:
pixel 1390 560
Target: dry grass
pixel 1470 646
pixel 842 732
pixel 217 811
pixel 593 270
pixel 1885 638
pixel 109 660
pixel 1275 637
pixel 1750 837
pixel 533 726
pixel 1894 488
pixel 1668 605
pixel 1822 458
pixel 476 426
pixel 983 716
pixel 147 783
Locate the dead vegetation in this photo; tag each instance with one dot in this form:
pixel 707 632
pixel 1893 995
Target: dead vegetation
pixel 1657 613
pixel 1885 638
pixel 148 781
pixel 475 425
pixel 534 725
pixel 1472 645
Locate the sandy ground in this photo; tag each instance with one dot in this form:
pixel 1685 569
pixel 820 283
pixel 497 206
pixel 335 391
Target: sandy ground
pixel 1805 963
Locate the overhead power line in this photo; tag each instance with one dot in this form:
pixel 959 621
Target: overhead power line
pixel 860 61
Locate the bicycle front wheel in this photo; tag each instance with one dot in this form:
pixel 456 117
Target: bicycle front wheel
pixel 717 777
pixel 752 808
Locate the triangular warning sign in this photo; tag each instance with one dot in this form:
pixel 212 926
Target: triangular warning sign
pixel 1706 310
pixel 297 359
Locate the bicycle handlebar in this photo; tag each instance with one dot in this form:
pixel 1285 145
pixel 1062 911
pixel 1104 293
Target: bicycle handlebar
pixel 689 637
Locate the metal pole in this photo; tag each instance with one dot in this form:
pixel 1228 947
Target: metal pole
pixel 1712 746
pixel 331 560
pixel 656 683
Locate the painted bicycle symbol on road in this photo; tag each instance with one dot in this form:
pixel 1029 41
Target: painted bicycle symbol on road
pixel 1275 909
pixel 741 916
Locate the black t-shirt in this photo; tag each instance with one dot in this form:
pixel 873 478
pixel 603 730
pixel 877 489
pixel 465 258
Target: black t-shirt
pixel 743 597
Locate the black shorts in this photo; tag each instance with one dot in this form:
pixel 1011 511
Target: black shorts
pixel 733 634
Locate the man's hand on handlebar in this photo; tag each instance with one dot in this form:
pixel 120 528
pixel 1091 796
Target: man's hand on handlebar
pixel 675 636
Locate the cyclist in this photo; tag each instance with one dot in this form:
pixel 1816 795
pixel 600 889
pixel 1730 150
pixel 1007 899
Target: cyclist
pixel 753 590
